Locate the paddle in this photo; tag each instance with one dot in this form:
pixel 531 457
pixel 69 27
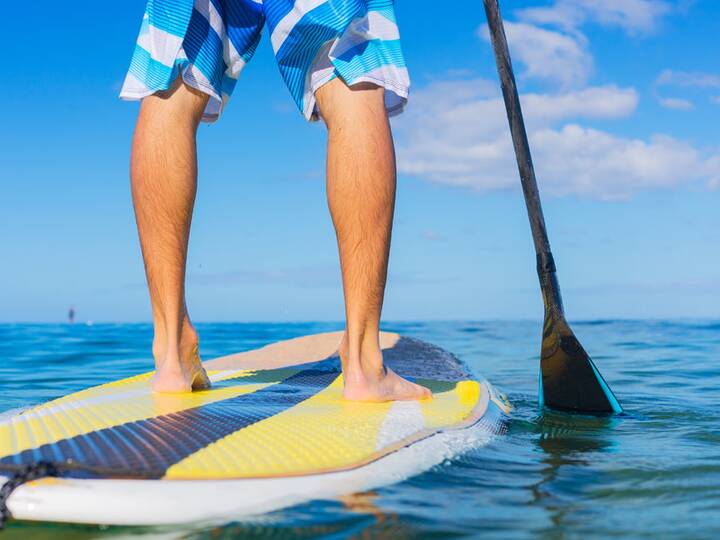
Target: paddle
pixel 569 379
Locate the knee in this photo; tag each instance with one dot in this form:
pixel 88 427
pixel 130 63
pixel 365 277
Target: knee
pixel 340 104
pixel 180 105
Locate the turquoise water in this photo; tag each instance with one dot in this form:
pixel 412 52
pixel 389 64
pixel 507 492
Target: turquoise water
pixel 652 473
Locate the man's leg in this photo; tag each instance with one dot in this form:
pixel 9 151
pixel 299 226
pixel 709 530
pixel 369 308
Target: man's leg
pixel 361 196
pixel 164 180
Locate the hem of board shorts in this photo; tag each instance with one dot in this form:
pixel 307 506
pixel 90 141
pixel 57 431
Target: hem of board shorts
pixel 190 76
pixel 312 112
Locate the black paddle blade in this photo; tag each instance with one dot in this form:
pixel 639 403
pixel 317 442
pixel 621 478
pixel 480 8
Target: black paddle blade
pixel 569 381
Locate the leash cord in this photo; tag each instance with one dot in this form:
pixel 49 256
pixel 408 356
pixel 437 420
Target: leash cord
pixel 34 471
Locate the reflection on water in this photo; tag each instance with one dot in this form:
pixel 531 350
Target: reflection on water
pixel 654 472
pixel 568 444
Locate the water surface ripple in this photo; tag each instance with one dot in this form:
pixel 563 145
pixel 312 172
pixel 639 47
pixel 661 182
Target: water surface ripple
pixel 651 473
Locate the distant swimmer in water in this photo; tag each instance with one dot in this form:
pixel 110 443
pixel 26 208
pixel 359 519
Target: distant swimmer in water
pixel 342 63
pixel 71 315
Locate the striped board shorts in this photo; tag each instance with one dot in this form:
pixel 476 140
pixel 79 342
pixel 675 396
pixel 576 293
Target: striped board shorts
pixel 208 42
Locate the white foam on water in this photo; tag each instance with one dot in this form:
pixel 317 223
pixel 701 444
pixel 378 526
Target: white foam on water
pixel 428 453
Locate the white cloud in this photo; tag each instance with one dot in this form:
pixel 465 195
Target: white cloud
pixel 633 16
pixel 686 79
pixel 431 236
pixel 456 133
pixel 546 54
pixel 676 103
pixel 699 79
pixel 593 102
pixel 593 163
pixel 712 170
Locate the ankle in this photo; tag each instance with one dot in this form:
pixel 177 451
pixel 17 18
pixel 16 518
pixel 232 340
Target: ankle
pixel 361 355
pixel 179 342
pixel 188 335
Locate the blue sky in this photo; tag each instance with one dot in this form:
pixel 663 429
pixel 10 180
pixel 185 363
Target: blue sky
pixel 622 101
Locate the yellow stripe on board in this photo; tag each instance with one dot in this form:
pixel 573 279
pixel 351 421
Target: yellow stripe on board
pixel 119 402
pixel 450 407
pixel 324 432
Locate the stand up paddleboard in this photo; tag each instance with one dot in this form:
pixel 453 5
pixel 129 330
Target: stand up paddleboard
pixel 272 431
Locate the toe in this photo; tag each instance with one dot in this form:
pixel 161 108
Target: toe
pixel 420 392
pixel 412 391
pixel 425 393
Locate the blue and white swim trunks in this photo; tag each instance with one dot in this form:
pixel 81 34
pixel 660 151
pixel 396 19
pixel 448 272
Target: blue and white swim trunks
pixel 208 42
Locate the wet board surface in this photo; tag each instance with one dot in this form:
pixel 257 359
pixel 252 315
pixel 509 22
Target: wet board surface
pixel 273 422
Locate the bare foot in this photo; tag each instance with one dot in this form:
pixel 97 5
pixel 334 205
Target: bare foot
pixel 369 380
pixel 178 368
pixel 389 386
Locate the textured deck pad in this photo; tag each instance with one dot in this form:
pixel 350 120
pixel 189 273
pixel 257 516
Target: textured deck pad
pixel 284 421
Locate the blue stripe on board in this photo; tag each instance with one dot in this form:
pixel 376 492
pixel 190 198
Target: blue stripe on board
pixel 147 448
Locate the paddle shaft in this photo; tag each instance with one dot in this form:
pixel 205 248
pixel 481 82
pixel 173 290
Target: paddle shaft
pixel 545 262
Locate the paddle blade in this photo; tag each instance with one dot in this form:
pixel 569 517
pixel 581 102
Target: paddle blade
pixel 569 381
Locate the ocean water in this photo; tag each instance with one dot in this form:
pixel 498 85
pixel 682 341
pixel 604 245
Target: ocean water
pixel 653 472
